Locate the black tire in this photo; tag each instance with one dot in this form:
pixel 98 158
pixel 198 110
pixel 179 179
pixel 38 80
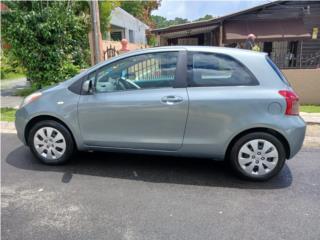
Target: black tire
pixel 233 157
pixel 70 146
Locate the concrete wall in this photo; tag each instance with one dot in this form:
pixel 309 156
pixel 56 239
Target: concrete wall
pixel 122 19
pixel 306 83
pixel 117 44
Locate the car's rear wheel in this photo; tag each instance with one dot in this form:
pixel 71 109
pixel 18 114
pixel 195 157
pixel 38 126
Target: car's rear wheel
pixel 51 142
pixel 257 156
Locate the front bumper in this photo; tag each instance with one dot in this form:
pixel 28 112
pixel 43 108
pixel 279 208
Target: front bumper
pixel 20 123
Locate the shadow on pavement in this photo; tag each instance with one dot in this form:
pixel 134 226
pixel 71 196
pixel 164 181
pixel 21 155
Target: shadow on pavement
pixel 156 169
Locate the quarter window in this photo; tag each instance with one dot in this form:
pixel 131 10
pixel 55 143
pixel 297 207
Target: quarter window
pixel 154 70
pixel 92 76
pixel 210 69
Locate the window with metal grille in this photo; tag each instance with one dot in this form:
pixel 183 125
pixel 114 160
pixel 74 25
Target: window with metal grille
pixel 153 70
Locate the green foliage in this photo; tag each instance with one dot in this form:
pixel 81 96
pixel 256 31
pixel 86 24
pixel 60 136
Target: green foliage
pixel 47 38
pixel 10 67
pixel 178 20
pixel 141 9
pixel 8 114
pixel 161 22
pixel 206 17
pixel 2 74
pixel 11 75
pixel 105 9
pixel 135 8
pixel 152 40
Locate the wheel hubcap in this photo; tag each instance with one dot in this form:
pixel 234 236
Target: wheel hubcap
pixel 49 143
pixel 258 157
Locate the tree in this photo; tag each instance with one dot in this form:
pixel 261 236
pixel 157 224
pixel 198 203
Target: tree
pixel 161 22
pixel 206 17
pixel 135 8
pixel 177 21
pixel 48 38
pixel 105 9
pixel 141 9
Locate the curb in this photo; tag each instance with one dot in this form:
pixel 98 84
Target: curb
pixel 7 127
pixel 311 118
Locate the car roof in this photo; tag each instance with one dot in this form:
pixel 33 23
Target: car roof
pixel 213 49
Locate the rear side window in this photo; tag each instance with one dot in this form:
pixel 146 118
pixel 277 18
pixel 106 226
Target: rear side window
pixel 211 69
pixel 277 70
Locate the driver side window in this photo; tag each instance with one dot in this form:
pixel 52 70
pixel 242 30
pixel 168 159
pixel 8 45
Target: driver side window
pixel 154 70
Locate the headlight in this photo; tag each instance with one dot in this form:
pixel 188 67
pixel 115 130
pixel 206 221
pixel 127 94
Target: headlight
pixel 30 98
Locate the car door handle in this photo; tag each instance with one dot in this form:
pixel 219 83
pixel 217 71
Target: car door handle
pixel 170 100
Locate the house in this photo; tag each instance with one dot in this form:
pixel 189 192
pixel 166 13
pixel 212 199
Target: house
pixel 124 25
pixel 287 30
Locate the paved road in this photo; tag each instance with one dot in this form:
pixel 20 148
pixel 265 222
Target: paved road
pixel 119 196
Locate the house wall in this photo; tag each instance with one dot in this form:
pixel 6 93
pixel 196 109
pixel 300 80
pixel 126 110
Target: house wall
pixel 308 11
pixel 306 83
pixel 117 29
pixel 122 19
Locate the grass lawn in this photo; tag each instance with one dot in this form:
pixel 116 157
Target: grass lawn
pixel 310 108
pixel 8 114
pixel 12 75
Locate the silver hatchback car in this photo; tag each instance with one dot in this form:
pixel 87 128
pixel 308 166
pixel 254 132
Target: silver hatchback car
pixel 219 103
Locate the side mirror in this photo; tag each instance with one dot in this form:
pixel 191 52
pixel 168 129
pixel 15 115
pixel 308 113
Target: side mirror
pixel 87 86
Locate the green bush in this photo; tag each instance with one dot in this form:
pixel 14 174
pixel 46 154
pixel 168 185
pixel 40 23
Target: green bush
pixel 152 40
pixel 2 74
pixel 10 67
pixel 48 39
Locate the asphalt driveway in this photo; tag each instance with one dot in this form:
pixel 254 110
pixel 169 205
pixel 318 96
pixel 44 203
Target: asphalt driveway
pixel 121 196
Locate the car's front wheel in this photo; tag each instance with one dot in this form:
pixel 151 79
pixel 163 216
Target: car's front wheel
pixel 51 142
pixel 257 156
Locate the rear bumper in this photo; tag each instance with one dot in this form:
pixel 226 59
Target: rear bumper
pixel 295 135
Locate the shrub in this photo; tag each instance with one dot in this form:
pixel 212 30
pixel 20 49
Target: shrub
pixel 10 67
pixel 48 39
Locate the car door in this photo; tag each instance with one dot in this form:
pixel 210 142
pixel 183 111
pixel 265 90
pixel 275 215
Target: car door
pixel 139 102
pixel 224 95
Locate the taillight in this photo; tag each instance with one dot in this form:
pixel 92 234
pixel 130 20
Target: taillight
pixel 292 101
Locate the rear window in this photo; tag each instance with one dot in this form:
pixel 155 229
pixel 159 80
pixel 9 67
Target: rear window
pixel 212 69
pixel 278 72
